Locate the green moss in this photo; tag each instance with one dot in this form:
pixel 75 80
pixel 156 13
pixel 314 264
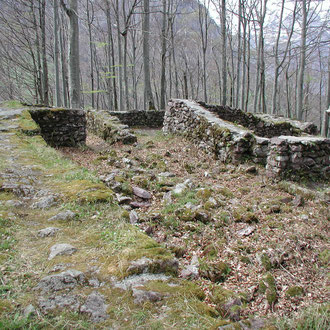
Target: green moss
pixel 226 192
pixel 324 257
pixel 141 181
pixel 267 286
pixel 214 271
pixel 27 125
pixel 294 291
pixel 245 259
pixel 83 191
pixel 204 194
pixel 265 261
pixel 220 296
pixel 11 104
pixel 242 214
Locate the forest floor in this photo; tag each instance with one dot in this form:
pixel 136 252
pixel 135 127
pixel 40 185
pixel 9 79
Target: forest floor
pixel 215 244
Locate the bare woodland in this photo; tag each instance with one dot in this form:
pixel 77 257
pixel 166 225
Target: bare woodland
pixel 257 55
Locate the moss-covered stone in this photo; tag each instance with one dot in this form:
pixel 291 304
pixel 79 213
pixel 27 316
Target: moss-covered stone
pixel 265 261
pixel 294 291
pixel 214 271
pixel 267 286
pixel 83 191
pixel 204 194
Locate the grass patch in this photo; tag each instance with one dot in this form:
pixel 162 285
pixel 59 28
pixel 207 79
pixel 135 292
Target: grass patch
pixel 11 104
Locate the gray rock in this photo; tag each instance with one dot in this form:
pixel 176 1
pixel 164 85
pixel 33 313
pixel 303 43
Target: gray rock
pixel 14 203
pixel 167 199
pixel 233 313
pixel 139 280
pixel 166 175
pixel 191 271
pixel 64 215
pixel 47 232
pixel 47 304
pixel 145 265
pixel 123 199
pixel 45 202
pixel 142 296
pixel 246 231
pixel 95 307
pixel 65 280
pixel 133 217
pixel 29 311
pixel 137 205
pixel 61 249
pixel 94 282
pixel 141 193
pixel 181 187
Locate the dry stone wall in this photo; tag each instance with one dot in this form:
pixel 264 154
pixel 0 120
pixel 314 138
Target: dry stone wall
pixel 61 127
pixel 261 124
pixel 108 127
pixel 140 118
pixel 228 142
pixel 291 156
pixel 283 155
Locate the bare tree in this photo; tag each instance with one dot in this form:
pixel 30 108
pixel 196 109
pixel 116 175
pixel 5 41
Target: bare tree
pixel 74 60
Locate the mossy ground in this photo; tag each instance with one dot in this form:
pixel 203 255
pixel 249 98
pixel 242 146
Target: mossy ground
pixel 104 240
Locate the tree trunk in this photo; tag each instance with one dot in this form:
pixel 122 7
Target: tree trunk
pixel 163 60
pixel 90 19
pixel 148 98
pixel 58 101
pixel 224 55
pixel 302 63
pixel 74 66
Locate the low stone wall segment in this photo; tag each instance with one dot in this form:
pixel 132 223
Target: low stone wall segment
pixel 283 155
pixel 291 156
pixel 262 124
pixel 61 127
pixel 108 127
pixel 140 118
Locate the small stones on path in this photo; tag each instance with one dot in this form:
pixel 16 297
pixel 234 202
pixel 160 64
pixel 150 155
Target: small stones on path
pixel 95 307
pixel 61 249
pixel 47 232
pixel 64 216
pixel 45 202
pixel 142 296
pixel 141 193
pixel 65 280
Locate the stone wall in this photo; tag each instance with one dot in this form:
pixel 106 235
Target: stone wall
pixel 291 156
pixel 140 118
pixel 61 127
pixel 228 142
pixel 262 125
pixel 108 127
pixel 283 156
